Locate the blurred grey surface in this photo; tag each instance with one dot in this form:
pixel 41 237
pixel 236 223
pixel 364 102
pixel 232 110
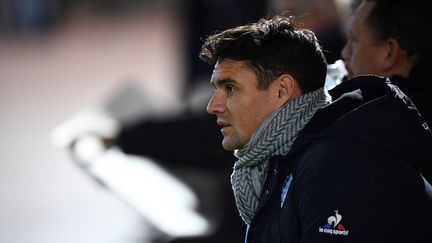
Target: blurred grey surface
pixel 45 78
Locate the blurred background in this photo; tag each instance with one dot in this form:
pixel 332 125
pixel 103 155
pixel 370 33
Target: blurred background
pixel 56 58
pixel 135 59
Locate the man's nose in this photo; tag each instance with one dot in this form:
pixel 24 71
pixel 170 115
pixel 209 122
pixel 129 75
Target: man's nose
pixel 216 104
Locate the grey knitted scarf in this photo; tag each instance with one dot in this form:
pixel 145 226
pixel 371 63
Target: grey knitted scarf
pixel 273 137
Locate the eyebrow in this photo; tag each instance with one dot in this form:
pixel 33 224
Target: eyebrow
pixel 221 82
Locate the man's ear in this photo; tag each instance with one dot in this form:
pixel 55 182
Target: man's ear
pixel 287 87
pixel 391 54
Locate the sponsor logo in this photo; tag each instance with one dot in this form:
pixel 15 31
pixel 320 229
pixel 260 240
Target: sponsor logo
pixel 333 226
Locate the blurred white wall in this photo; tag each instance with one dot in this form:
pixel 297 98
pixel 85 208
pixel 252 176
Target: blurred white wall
pixel 44 196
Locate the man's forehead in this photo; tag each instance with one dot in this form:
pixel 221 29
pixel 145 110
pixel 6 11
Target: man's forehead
pixel 232 71
pixel 358 20
pixel 230 63
pixel 228 67
pixel 363 11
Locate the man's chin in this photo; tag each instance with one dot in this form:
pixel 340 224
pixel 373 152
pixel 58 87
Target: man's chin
pixel 229 145
pixel 232 144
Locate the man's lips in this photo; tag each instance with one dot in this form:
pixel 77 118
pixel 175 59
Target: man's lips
pixel 223 124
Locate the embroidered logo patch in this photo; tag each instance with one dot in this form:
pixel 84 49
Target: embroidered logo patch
pixel 333 226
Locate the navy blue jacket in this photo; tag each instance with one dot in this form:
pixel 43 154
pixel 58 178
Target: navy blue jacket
pixel 352 174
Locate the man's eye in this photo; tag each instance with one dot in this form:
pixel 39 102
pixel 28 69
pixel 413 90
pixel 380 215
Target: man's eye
pixel 230 89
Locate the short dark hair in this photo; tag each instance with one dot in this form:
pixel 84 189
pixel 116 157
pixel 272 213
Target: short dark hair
pixel 271 47
pixel 408 21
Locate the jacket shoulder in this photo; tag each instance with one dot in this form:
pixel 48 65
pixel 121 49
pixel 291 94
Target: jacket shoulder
pixel 373 191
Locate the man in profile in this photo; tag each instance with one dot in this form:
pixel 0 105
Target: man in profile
pixel 308 169
pixel 391 38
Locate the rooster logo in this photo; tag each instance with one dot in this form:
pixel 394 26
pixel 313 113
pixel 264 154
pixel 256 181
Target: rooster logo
pixel 333 222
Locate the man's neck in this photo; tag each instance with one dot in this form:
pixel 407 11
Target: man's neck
pixel 401 68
